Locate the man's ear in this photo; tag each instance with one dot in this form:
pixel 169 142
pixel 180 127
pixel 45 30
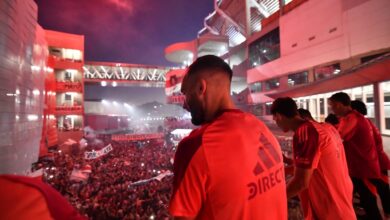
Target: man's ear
pixel 202 87
pixel 279 116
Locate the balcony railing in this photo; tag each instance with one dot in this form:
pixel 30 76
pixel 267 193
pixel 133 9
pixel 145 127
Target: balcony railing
pixel 69 110
pixel 62 63
pixel 69 87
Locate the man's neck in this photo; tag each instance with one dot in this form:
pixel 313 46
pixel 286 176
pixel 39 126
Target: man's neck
pixel 223 105
pixel 296 123
pixel 346 111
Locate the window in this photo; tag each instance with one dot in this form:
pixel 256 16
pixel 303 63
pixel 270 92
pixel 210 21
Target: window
pixel 68 54
pixel 371 57
pixel 68 76
pixel 71 54
pixel 271 84
pixel 322 106
pixel 265 49
pixel 298 78
pixel 68 97
pixel 268 106
pixel 255 87
pixel 386 105
pixel 326 71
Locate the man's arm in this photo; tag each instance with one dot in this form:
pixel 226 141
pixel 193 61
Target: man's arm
pixel 299 182
pixel 287 160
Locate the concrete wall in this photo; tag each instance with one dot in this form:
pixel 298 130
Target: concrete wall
pixel 23 56
pixel 320 31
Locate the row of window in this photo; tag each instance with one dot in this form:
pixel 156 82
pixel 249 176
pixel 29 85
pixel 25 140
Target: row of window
pixel 294 79
pixel 67 54
pixel 299 78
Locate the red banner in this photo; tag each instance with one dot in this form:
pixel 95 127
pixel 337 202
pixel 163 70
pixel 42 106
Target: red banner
pixel 176 99
pixel 136 137
pixel 69 87
pixel 69 110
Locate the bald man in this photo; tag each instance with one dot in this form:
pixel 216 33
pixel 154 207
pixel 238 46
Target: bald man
pixel 231 166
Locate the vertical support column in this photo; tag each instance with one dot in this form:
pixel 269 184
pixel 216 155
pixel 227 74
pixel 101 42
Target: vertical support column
pixel 325 105
pixel 248 18
pixel 364 95
pixel 318 115
pixel 281 4
pixel 379 106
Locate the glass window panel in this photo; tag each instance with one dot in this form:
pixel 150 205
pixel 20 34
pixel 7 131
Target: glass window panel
pixel 255 87
pixel 298 78
pixel 322 106
pixel 272 84
pixel 265 49
pixel 323 72
pixel 386 99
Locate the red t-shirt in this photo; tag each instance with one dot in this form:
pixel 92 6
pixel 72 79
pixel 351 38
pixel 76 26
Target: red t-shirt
pixel 329 194
pixel 384 161
pixel 29 198
pixel 230 168
pixel 359 144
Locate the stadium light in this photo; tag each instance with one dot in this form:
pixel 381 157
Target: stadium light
pixel 36 92
pixel 103 83
pixel 128 106
pixel 114 84
pixel 32 117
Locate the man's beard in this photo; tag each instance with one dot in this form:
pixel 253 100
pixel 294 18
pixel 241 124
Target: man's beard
pixel 197 117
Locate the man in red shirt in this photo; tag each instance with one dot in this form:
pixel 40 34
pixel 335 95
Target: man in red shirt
pixel 29 198
pixel 231 167
pixel 384 163
pixel 321 175
pixel 360 150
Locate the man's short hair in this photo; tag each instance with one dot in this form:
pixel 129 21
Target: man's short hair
pixel 285 106
pixel 210 62
pixel 304 113
pixel 359 106
pixel 341 97
pixel 332 119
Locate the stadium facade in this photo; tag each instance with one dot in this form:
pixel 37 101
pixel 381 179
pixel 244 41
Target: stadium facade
pixel 306 49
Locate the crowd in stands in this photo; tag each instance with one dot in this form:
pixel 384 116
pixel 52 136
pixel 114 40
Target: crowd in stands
pixel 109 192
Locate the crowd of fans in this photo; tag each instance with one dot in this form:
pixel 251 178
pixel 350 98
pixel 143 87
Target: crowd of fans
pixel 109 192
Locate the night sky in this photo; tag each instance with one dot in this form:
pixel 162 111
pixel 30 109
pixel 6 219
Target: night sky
pixel 129 31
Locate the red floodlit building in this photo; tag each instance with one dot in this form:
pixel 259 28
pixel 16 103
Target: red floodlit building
pixel 66 58
pixel 304 49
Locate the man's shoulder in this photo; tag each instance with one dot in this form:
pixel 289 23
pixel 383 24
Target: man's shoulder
pixel 193 141
pixel 308 130
pixel 229 121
